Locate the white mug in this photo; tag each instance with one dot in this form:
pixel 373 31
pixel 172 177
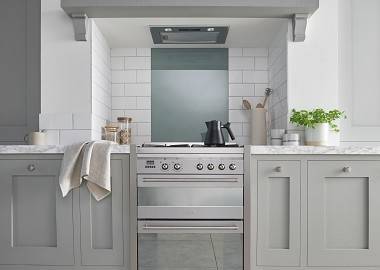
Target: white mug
pixel 35 138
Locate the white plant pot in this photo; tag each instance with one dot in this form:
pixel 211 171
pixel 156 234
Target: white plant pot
pixel 317 136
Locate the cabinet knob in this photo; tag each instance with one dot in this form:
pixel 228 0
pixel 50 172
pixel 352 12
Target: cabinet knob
pixel 278 169
pixel 31 167
pixel 347 169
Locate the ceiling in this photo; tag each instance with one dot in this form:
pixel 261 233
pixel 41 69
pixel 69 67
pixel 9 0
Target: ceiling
pixel 243 32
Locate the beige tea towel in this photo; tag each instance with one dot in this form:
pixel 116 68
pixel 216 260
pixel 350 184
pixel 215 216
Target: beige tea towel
pixel 88 161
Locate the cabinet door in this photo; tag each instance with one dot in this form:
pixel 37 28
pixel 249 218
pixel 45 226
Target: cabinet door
pixel 278 213
pixel 20 48
pixel 359 35
pixel 102 238
pixel 36 225
pixel 343 213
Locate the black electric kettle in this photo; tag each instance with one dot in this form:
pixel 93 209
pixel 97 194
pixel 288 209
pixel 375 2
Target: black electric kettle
pixel 214 135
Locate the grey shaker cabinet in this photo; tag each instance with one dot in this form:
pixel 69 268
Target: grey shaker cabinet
pixel 278 237
pixel 36 224
pixel 20 73
pixel 104 223
pixel 343 213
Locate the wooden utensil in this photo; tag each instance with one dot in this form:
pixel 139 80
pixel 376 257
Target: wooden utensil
pixel 268 92
pixel 247 105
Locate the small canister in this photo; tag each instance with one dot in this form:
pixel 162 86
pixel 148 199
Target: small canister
pixel 125 130
pixel 111 133
pixel 276 136
pixel 291 139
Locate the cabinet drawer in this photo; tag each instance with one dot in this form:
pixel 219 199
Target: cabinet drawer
pixel 278 213
pixel 343 214
pixel 36 224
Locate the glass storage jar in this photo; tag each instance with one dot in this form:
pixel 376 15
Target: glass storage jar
pixel 110 133
pixel 125 130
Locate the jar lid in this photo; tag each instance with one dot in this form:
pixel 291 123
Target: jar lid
pixel 111 128
pixel 124 119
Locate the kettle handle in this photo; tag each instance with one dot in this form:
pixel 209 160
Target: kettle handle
pixel 228 127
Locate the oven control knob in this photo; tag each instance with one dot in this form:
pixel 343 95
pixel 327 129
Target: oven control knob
pixel 232 167
pixel 177 166
pixel 165 166
pixel 200 166
pixel 221 167
pixel 210 166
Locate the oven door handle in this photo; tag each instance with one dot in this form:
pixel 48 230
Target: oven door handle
pixel 152 227
pixel 190 181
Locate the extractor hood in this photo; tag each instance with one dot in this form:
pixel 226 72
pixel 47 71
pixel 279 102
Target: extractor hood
pixel 189 34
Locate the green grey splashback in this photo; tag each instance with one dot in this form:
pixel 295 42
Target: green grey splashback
pixel 189 59
pixel 189 87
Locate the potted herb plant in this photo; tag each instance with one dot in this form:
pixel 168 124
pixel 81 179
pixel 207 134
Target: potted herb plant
pixel 317 124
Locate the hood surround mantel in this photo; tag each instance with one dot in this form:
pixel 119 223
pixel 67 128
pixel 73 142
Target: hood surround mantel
pixel 80 10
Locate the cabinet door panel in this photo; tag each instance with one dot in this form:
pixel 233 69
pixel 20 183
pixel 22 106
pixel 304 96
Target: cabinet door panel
pixel 343 218
pixel 19 69
pixel 36 224
pixel 102 222
pixel 278 213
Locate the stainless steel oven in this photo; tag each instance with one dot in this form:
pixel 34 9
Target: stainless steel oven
pixel 189 211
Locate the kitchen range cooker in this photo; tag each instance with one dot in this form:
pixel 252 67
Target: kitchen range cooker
pixel 189 207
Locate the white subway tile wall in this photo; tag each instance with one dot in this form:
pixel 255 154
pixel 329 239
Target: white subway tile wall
pixel 277 62
pixel 131 89
pixel 248 79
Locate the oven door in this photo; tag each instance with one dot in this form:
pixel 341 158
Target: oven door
pixel 196 245
pixel 190 197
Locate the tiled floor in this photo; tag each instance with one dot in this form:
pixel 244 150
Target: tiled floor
pixel 190 251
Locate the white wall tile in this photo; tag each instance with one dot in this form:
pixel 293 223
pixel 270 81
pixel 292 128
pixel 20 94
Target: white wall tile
pixel 143 51
pixel 56 121
pixel 144 129
pixel 260 89
pixel 117 63
pixel 255 77
pixel 239 116
pixel 123 52
pixel 235 52
pixel 137 63
pixel 144 103
pixel 261 63
pixel 241 90
pixel 235 103
pixel 122 103
pixel 139 115
pixel 124 76
pixel 255 52
pixel 235 76
pixel 241 63
pixel 237 129
pixel 116 114
pixel 73 136
pixel 143 76
pixel 117 90
pixel 136 90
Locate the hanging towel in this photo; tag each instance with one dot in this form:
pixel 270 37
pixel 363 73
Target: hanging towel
pixel 89 161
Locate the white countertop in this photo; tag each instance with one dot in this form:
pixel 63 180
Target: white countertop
pixel 313 150
pixel 51 149
pixel 255 150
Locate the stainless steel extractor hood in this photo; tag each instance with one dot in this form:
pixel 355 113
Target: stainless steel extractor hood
pixel 189 34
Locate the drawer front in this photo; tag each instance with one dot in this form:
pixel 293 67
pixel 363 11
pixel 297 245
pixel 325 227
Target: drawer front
pixel 36 225
pixel 343 213
pixel 278 213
